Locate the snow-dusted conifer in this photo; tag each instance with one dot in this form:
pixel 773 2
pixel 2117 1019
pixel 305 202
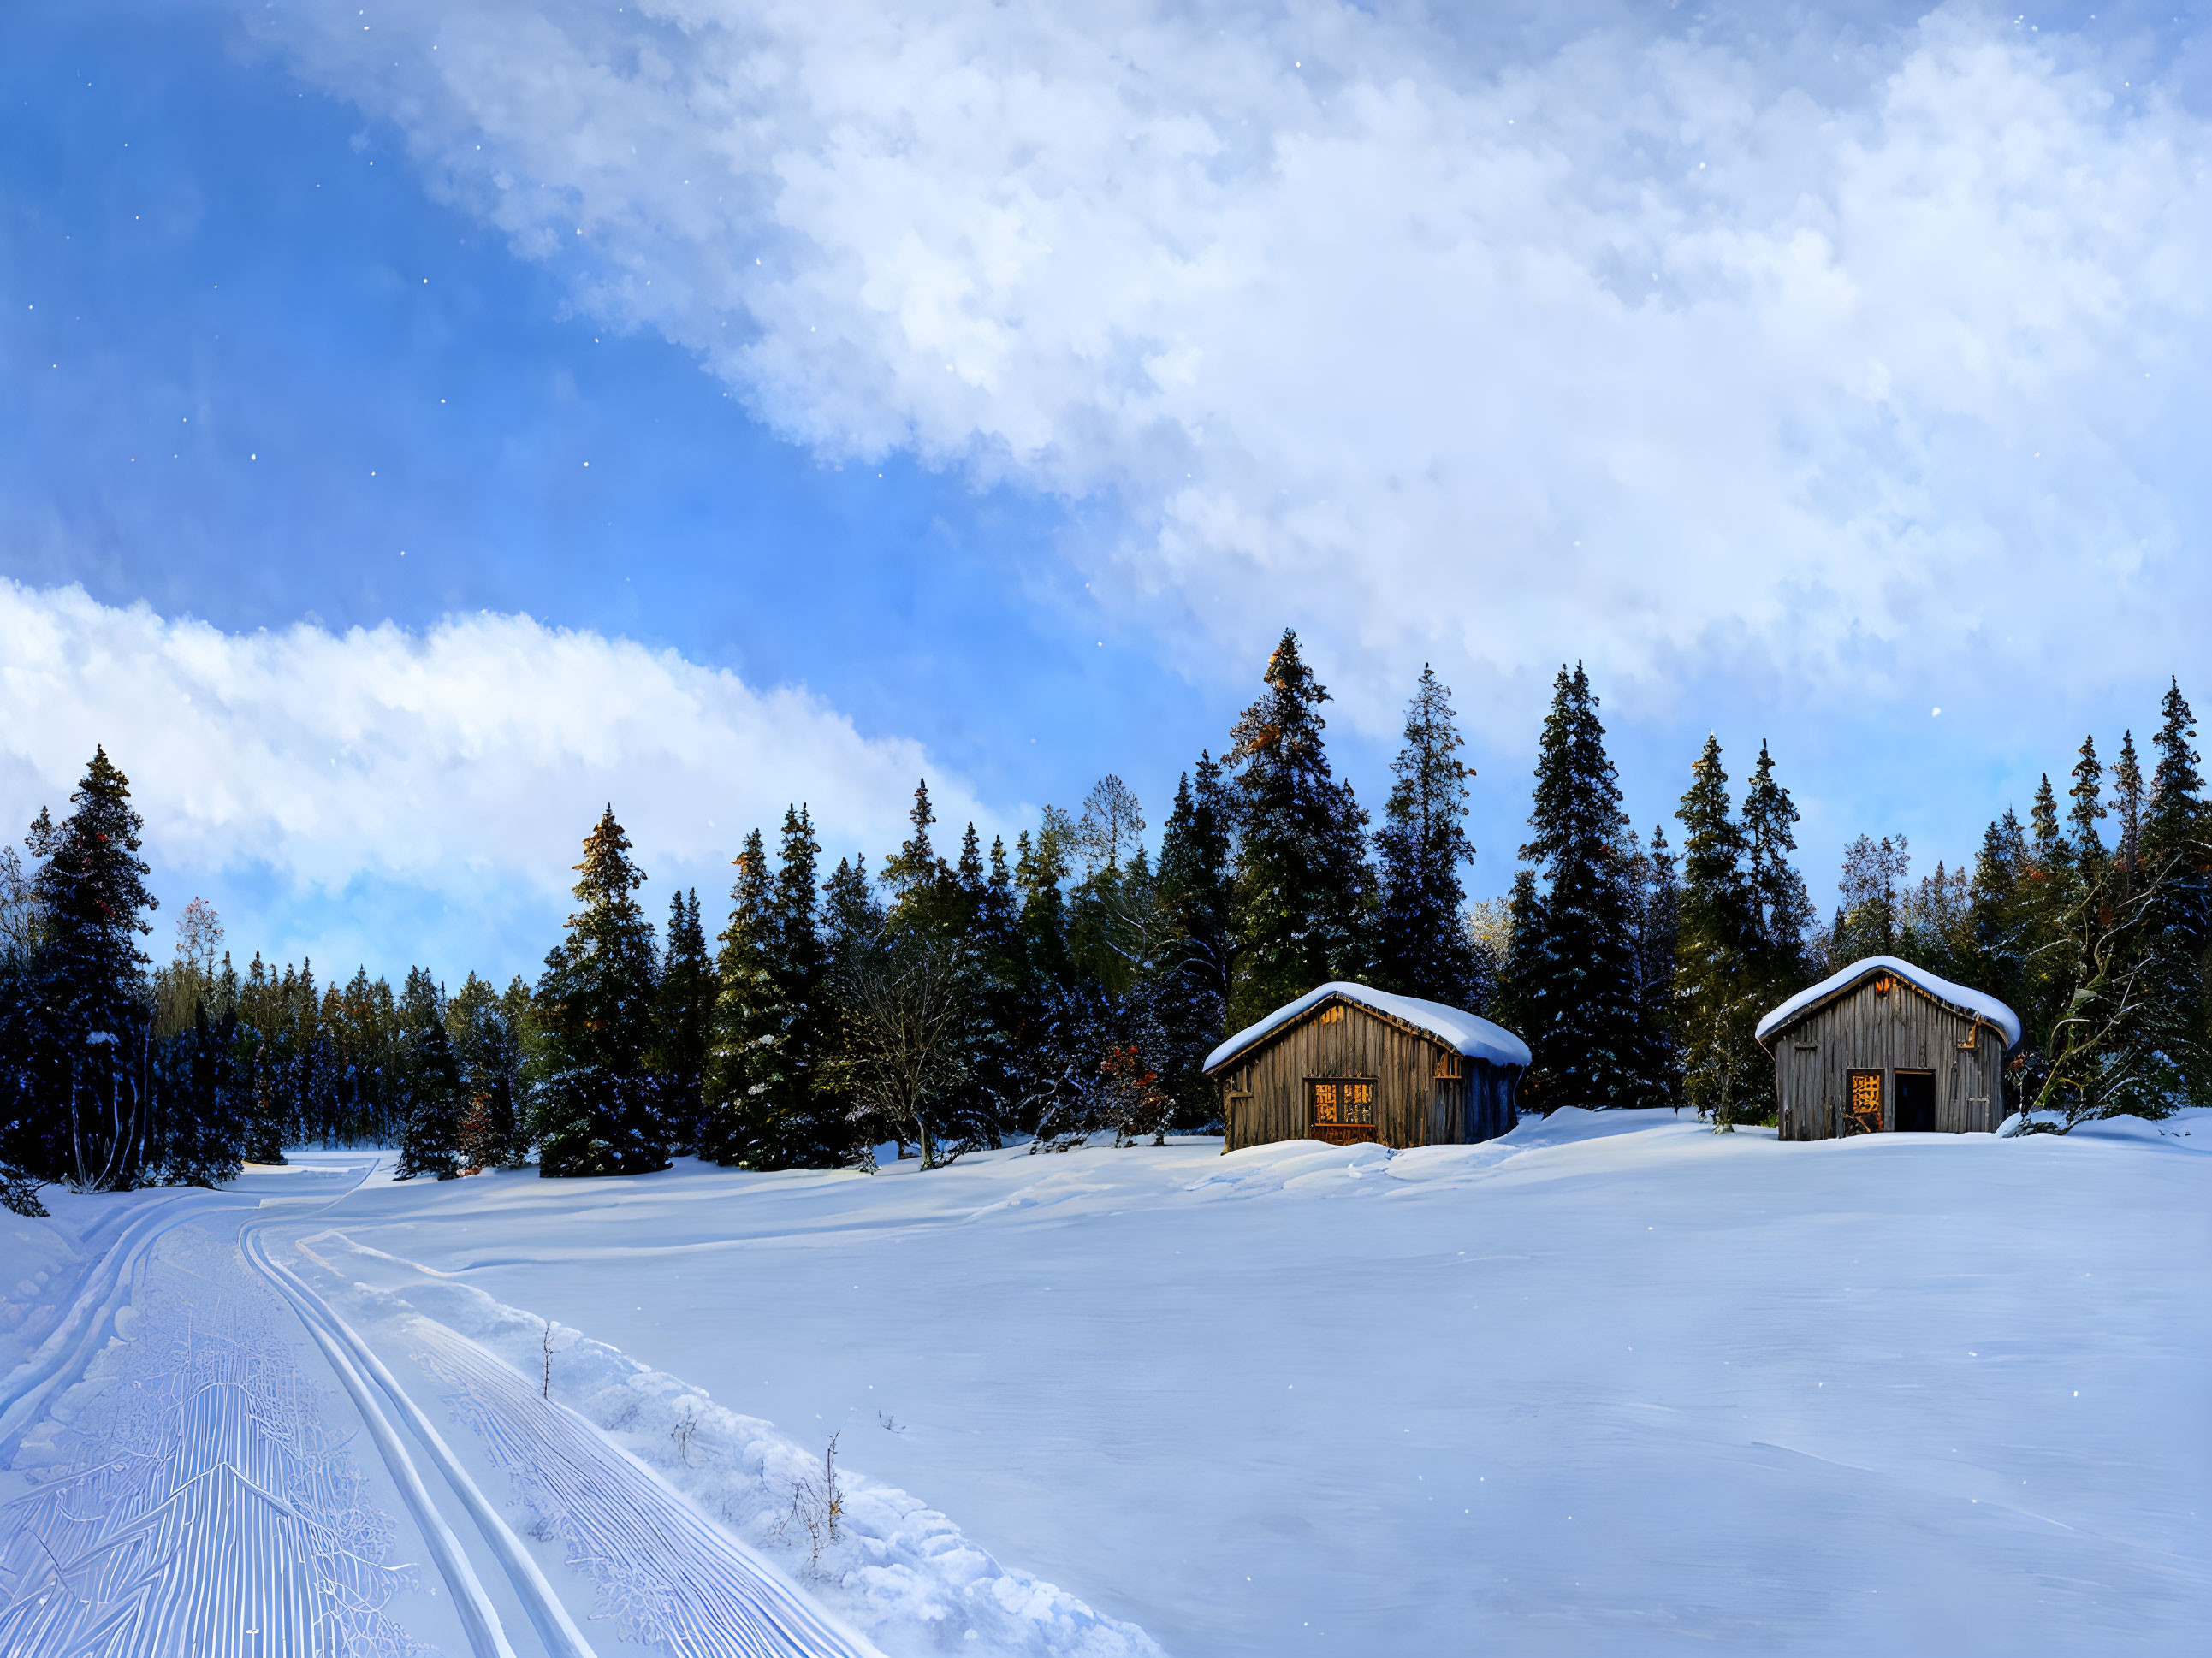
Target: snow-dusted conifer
pixel 1575 973
pixel 596 1002
pixel 685 1015
pixel 1302 883
pixel 1422 947
pixel 1718 995
pixel 431 1080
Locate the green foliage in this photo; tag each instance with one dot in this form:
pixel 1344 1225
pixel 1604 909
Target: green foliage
pixel 1303 887
pixel 1573 970
pixel 1719 989
pixel 430 1083
pixel 596 1096
pixel 1421 944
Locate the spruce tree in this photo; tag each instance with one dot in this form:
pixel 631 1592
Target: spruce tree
pixel 1422 947
pixel 852 927
pixel 432 1083
pixel 769 1106
pixel 1782 909
pixel 2170 1042
pixel 97 1009
pixel 596 1002
pixel 485 1027
pixel 688 992
pixel 917 878
pixel 2128 804
pixel 1195 897
pixel 1658 946
pixel 1302 883
pixel 2087 795
pixel 1574 981
pixel 1718 996
pixel 745 1012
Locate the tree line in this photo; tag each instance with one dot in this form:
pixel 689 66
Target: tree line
pixel 1069 985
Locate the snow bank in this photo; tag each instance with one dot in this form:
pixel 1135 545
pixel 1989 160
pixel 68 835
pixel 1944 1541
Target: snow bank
pixel 1469 1032
pixel 1971 1001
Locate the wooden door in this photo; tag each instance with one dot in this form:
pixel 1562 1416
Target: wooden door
pixel 1341 1109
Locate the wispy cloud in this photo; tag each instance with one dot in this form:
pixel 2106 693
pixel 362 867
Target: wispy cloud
pixel 1814 351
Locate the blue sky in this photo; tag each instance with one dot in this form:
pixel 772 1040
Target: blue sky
pixel 1802 371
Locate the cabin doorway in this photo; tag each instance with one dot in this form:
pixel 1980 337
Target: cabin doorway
pixel 1341 1109
pixel 1863 1112
pixel 1915 1101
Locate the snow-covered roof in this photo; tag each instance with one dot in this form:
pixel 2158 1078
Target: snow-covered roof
pixel 1966 1001
pixel 1468 1033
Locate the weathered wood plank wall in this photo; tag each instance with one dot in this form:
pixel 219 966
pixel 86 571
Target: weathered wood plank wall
pixel 1264 1093
pixel 1903 1030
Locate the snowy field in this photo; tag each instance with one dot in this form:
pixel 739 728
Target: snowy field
pixel 1612 1385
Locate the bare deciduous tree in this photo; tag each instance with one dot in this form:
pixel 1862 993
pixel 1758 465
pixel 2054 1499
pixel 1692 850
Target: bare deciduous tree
pixel 908 1003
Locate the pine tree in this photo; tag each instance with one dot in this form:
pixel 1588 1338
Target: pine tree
pixel 851 927
pixel 1658 949
pixel 688 993
pixel 2169 1046
pixel 485 1030
pixel 1574 981
pixel 432 1142
pixel 1718 999
pixel 1302 883
pixel 596 1000
pixel 1422 946
pixel 1195 897
pixel 2128 804
pixel 745 1015
pixel 2088 797
pixel 767 1080
pixel 96 1002
pixel 1782 909
pixel 919 882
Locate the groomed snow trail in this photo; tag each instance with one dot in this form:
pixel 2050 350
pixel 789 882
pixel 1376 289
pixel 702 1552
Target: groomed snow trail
pixel 191 1496
pixel 184 1481
pixel 670 1577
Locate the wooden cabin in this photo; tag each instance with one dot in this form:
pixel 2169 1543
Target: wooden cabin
pixel 1344 1064
pixel 1884 1047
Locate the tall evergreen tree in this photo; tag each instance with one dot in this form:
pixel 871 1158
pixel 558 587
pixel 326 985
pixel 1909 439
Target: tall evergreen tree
pixel 487 1035
pixel 852 926
pixel 1782 909
pixel 767 1079
pixel 1575 979
pixel 431 1083
pixel 1422 944
pixel 2170 1043
pixel 2128 804
pixel 596 1001
pixel 1194 895
pixel 2087 795
pixel 93 988
pixel 1658 950
pixel 685 1015
pixel 1302 883
pixel 1717 995
pixel 746 1013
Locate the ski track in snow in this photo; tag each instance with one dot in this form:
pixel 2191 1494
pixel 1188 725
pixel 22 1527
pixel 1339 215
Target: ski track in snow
pixel 190 1496
pixel 190 1493
pixel 670 1578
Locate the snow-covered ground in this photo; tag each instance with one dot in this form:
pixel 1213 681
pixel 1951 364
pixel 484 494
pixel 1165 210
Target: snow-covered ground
pixel 1611 1385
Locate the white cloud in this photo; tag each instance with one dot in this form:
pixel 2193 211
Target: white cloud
pixel 470 757
pixel 1635 345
